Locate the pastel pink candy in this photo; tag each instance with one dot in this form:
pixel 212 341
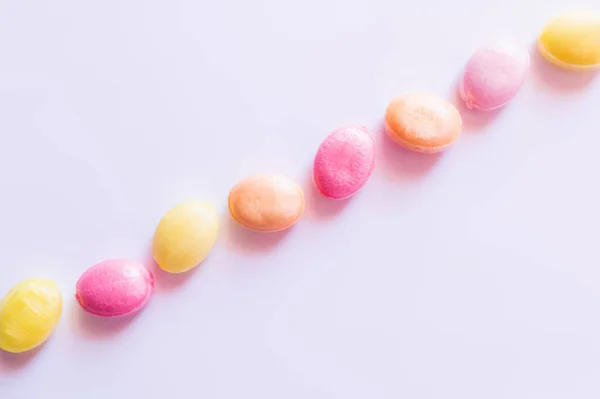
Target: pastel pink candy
pixel 344 162
pixel 115 288
pixel 494 75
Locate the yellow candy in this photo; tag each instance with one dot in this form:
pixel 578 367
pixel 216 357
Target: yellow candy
pixel 185 236
pixel 29 314
pixel 572 40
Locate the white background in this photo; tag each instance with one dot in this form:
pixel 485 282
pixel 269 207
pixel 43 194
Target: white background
pixel 469 275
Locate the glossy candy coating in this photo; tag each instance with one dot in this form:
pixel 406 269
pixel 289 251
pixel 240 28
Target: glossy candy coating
pixel 572 40
pixel 422 122
pixel 29 313
pixel 344 162
pixel 266 202
pixel 115 287
pixel 185 236
pixel 494 74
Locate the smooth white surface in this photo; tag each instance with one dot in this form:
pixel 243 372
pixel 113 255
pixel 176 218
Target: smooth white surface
pixel 471 275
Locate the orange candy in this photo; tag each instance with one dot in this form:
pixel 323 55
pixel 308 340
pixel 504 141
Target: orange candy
pixel 422 122
pixel 266 203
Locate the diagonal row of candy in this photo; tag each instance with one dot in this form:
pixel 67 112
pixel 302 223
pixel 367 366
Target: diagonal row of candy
pixel 267 203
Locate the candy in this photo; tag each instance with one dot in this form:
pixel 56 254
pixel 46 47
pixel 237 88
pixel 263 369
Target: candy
pixel 114 288
pixel 29 313
pixel 572 40
pixel 185 236
pixel 266 203
pixel 344 162
pixel 494 75
pixel 422 122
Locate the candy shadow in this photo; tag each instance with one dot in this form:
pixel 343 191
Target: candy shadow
pixel 473 120
pixel 93 327
pixel 555 79
pixel 244 241
pixel 165 281
pixel 13 362
pixel 319 207
pixel 397 163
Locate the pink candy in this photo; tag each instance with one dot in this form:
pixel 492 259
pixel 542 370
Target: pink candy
pixel 115 288
pixel 344 162
pixel 494 75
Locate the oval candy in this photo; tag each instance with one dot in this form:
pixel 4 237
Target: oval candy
pixel 494 75
pixel 572 40
pixel 422 122
pixel 185 236
pixel 29 313
pixel 266 202
pixel 344 162
pixel 114 288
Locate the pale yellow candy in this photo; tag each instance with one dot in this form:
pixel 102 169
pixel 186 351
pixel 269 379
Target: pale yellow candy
pixel 572 40
pixel 29 313
pixel 185 236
